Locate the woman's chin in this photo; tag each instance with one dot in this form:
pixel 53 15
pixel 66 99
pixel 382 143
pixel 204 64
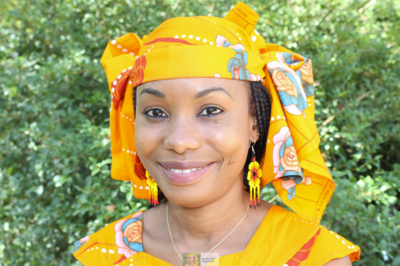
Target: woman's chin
pixel 191 197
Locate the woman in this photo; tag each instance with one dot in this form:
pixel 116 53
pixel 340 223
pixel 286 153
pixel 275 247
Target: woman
pixel 191 260
pixel 204 114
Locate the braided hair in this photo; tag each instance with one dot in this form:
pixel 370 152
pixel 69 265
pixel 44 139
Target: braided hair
pixel 260 108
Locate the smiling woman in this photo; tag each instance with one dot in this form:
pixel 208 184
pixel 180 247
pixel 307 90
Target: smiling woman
pixel 199 152
pixel 204 114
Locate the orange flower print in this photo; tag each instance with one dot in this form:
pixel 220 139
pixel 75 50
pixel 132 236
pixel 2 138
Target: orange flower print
pixel 307 72
pixel 288 84
pixel 128 235
pixel 286 163
pixel 133 232
pixel 283 83
pixel 289 161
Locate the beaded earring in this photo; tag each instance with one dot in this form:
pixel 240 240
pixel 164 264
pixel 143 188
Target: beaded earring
pixel 153 189
pixel 254 176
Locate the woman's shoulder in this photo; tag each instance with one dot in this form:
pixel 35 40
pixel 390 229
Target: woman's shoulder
pixel 304 240
pixel 113 243
pixel 329 245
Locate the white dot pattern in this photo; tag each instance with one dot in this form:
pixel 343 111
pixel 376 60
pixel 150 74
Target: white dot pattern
pixel 333 233
pixel 119 46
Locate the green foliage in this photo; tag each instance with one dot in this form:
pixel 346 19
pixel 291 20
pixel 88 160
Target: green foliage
pixel 54 138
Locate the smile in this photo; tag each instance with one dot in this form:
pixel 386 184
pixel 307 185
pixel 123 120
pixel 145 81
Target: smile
pixel 185 173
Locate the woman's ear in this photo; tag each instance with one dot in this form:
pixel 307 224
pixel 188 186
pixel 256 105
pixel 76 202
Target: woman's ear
pixel 254 131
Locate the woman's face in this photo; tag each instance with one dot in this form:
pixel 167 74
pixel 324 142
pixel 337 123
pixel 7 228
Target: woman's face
pixel 193 135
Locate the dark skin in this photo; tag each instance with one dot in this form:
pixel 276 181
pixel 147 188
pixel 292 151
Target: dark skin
pixel 203 211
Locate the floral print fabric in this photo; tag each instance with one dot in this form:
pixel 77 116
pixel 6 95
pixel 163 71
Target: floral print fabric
pixel 128 235
pixel 299 242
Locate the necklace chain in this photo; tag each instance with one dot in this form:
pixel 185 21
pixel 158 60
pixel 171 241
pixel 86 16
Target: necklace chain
pixel 172 239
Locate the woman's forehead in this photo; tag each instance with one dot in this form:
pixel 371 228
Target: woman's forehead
pixel 196 85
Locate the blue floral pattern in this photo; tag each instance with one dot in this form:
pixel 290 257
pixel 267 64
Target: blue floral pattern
pixel 237 66
pixel 292 86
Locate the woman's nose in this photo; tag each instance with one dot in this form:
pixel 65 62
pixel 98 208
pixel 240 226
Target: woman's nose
pixel 181 135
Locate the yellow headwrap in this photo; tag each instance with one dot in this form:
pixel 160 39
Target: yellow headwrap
pixel 231 48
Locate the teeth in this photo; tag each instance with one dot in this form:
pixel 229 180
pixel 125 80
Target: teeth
pixel 184 171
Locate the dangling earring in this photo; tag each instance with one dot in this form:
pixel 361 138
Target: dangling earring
pixel 153 189
pixel 254 177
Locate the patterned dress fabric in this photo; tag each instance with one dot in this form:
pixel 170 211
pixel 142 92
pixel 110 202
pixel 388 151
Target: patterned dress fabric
pixel 283 239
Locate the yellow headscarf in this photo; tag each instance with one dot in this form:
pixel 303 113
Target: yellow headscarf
pixel 231 48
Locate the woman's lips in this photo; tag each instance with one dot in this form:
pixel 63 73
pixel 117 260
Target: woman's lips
pixel 184 173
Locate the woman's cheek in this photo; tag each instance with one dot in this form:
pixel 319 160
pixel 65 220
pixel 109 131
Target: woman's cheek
pixel 147 137
pixel 230 138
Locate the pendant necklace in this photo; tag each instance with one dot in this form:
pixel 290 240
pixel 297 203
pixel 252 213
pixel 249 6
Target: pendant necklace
pixel 172 240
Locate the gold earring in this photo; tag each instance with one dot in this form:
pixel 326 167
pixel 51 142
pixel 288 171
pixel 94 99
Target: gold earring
pixel 153 189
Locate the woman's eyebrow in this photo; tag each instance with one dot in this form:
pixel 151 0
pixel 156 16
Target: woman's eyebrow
pixel 153 92
pixel 207 91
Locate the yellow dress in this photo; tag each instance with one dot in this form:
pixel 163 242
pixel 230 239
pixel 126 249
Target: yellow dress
pixel 283 239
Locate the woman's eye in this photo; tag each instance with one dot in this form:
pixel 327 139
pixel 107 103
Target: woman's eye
pixel 156 113
pixel 210 111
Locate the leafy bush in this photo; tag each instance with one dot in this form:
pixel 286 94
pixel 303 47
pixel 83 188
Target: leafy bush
pixel 54 137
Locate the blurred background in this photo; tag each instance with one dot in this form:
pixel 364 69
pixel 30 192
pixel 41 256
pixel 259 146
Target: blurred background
pixel 55 184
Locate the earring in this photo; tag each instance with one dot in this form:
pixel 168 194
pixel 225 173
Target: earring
pixel 153 189
pixel 254 177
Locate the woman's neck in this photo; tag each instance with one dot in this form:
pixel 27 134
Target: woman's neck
pixel 198 229
pixel 211 222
